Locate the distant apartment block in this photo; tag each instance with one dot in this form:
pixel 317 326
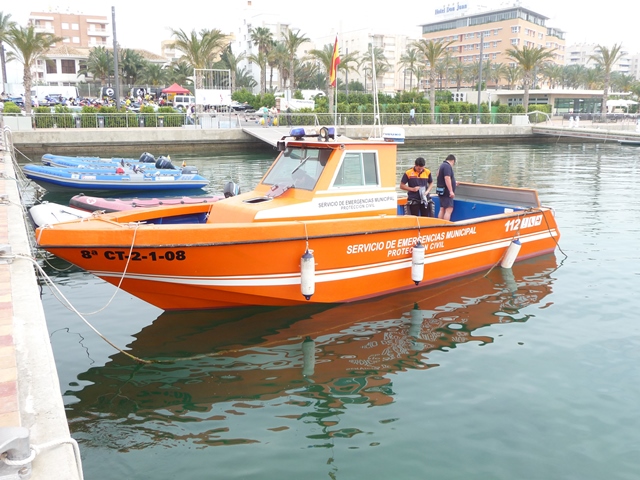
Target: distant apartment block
pixel 76 30
pixel 582 53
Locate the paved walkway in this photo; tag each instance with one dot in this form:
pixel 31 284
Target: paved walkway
pixel 9 415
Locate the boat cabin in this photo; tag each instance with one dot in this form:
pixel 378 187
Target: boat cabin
pixel 318 177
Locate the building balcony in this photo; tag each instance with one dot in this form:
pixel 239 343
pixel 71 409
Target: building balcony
pixel 44 30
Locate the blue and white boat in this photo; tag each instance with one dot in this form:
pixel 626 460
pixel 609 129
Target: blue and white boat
pixel 146 161
pixel 114 178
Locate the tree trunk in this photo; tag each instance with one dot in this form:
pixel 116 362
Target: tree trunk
pixel 4 66
pixel 432 92
pixel 26 78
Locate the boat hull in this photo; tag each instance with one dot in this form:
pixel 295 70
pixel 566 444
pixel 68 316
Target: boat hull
pixel 203 266
pixel 56 179
pixel 108 205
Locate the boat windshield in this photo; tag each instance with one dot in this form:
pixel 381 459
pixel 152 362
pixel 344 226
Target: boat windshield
pixel 298 167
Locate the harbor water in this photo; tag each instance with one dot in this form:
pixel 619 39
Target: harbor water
pixel 529 373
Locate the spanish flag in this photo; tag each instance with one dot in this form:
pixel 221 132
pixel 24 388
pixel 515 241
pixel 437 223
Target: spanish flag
pixel 335 61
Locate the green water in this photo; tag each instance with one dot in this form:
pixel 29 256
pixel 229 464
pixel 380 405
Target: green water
pixel 529 374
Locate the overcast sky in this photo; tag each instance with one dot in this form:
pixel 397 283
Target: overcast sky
pixel 145 24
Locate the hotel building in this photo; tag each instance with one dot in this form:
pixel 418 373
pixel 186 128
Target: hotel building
pixel 494 32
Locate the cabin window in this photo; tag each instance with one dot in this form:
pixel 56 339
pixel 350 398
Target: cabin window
pixel 358 169
pixel 298 167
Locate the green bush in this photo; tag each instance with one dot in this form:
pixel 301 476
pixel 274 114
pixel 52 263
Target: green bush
pixel 171 117
pixel 58 117
pixel 10 107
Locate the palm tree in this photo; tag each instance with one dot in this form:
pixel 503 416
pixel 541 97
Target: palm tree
pixel 553 74
pixel 278 58
pixel 529 59
pixel 244 79
pixel 5 25
pixel 443 68
pixel 263 39
pixel 513 75
pixel 606 59
pixel 307 73
pixel 132 65
pixel 292 41
pixel 409 60
pixel 459 72
pixel 99 64
pixel 381 63
pixel 497 73
pixel 154 74
pixel 593 78
pixel 432 52
pixel 199 49
pixel 180 72
pixel 324 58
pixel 29 46
pixel 574 76
pixel 231 61
pixel 622 82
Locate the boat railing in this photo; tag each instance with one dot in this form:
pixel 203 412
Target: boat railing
pixel 231 120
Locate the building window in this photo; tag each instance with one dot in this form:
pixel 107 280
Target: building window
pixel 515 29
pixel 66 40
pixel 76 39
pixel 65 26
pixel 68 66
pixel 515 41
pixel 51 66
pixel 75 26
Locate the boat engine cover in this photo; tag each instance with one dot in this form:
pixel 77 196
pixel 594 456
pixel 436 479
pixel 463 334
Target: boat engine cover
pixel 164 163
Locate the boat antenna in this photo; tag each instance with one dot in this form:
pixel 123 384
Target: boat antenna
pixel 376 129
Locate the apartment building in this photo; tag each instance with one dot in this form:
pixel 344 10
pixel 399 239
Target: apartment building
pixel 582 53
pixel 494 32
pixel 393 46
pixel 76 30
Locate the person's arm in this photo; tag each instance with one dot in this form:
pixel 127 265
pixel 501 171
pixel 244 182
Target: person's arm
pixel 404 186
pixel 429 183
pixel 447 181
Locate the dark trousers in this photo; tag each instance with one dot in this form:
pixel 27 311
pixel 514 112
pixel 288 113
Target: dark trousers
pixel 419 209
pixel 412 119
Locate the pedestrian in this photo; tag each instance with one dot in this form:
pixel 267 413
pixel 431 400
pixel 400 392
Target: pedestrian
pixel 412 116
pixel 288 116
pixel 446 187
pixel 417 181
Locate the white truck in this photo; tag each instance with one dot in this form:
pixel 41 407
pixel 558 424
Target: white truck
pixel 294 104
pixel 42 91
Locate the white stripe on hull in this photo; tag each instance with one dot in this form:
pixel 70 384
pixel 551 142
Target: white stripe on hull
pixel 329 275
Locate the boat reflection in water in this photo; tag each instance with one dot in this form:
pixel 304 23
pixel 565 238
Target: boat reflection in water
pixel 240 359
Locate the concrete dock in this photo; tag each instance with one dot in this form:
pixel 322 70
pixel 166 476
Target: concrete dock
pixel 30 398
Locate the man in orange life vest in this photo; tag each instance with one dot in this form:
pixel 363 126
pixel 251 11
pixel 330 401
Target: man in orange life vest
pixel 412 180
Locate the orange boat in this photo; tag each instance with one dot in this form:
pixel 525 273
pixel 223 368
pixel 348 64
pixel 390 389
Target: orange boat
pixel 324 225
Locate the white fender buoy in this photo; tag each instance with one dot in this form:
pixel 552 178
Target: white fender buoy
pixel 417 263
pixel 308 356
pixel 307 274
pixel 511 254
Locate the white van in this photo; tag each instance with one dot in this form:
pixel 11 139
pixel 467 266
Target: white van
pixel 182 102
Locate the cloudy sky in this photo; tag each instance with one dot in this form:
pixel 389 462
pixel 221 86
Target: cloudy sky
pixel 145 24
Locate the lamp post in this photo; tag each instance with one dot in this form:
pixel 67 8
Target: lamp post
pixel 115 58
pixel 480 74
